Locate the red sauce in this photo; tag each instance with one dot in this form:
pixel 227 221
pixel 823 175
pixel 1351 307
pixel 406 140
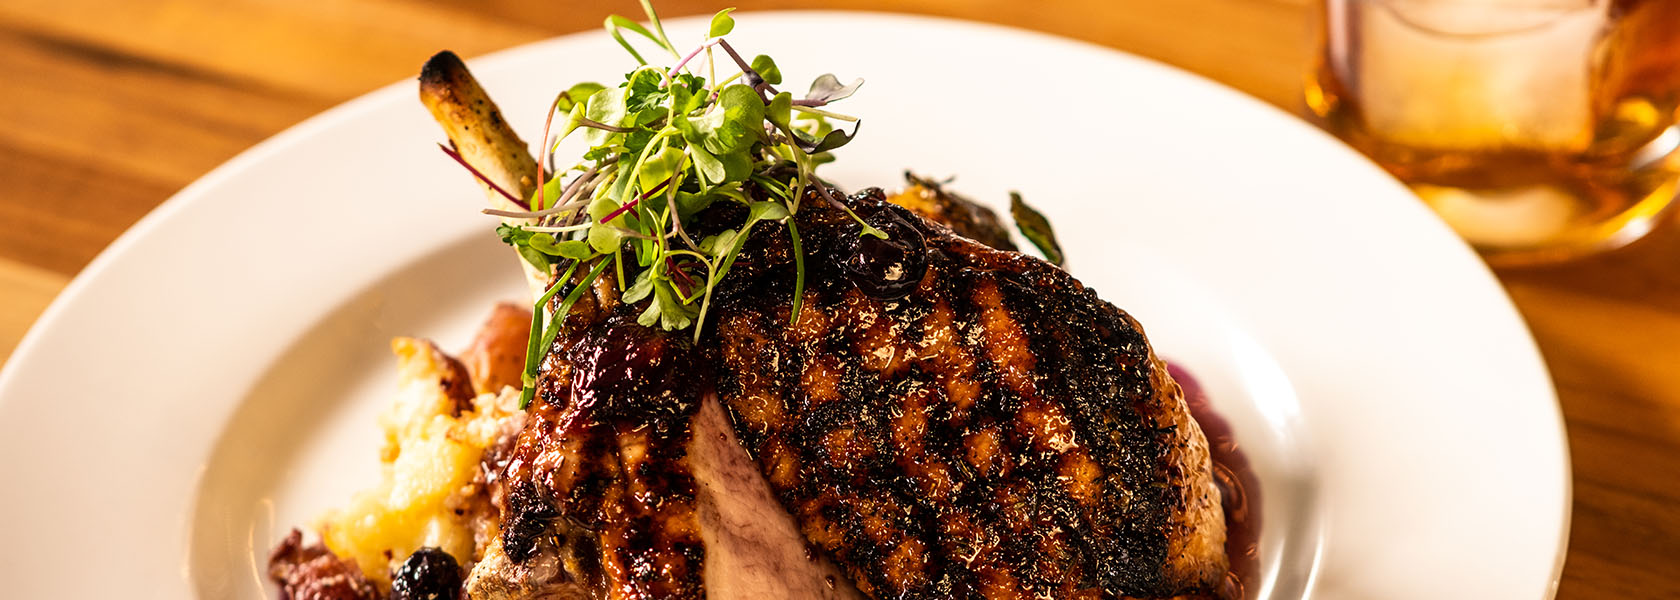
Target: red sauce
pixel 1239 490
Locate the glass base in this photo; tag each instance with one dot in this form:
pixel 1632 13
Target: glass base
pixel 1569 216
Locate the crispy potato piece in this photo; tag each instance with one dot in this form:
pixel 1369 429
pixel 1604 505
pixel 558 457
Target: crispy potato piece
pixel 496 358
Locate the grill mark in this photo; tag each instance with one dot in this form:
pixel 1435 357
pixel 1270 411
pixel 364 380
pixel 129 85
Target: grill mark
pixel 980 413
pixel 602 467
pixel 1132 556
pixel 990 347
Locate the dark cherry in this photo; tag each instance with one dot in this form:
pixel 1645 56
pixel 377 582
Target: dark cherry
pixel 428 574
pixel 888 269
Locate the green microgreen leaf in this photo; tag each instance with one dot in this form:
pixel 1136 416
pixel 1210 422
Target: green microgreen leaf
pixel 715 244
pixel 520 239
pixel 544 243
pixel 608 107
pixel 638 139
pixel 766 68
pixel 640 290
pixel 689 203
pixel 604 239
pixel 653 17
pixel 667 310
pixel 600 153
pixel 798 273
pixel 574 249
pixel 647 96
pixel 737 125
pixel 650 315
pixel 732 167
pixel 711 170
pixel 673 313
pixel 616 22
pixel 661 167
pixel 766 211
pixel 574 120
pixel 542 249
pixel 722 23
pixel 554 323
pixel 535 257
pixel 1036 228
pixel 685 100
pixel 511 235
pixel 577 94
pixel 780 110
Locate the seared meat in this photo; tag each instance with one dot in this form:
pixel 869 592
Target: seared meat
pixel 993 430
pixel 627 481
pixel 929 200
pixel 313 573
pixel 944 419
pixel 975 423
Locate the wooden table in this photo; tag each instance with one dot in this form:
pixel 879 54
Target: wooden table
pixel 107 107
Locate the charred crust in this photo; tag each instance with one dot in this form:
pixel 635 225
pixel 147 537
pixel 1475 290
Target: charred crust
pixel 964 498
pixel 456 384
pixel 441 72
pixel 972 529
pixel 1108 388
pixel 525 521
pixel 627 518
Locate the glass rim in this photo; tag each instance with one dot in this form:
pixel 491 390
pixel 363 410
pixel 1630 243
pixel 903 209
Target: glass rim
pixel 1491 20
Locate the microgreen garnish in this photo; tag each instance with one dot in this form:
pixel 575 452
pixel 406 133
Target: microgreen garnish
pixel 665 144
pixel 1036 228
pixel 540 343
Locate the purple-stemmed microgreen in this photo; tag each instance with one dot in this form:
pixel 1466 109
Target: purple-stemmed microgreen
pixel 481 177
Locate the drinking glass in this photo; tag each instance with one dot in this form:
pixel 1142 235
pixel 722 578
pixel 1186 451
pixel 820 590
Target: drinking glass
pixel 1538 129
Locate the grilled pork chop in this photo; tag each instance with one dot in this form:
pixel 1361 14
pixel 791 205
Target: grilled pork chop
pixel 950 420
pixel 944 419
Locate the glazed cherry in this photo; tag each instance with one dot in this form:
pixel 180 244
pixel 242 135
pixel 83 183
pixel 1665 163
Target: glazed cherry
pixel 888 269
pixel 428 574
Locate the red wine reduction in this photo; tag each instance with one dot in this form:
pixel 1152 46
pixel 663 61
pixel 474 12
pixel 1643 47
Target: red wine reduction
pixel 1238 489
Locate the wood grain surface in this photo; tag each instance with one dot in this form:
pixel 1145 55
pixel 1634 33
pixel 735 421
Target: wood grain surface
pixel 107 107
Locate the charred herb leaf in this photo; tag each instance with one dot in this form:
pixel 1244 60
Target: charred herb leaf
pixel 1036 228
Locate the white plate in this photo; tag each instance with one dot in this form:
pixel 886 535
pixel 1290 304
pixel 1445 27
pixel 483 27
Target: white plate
pixel 210 380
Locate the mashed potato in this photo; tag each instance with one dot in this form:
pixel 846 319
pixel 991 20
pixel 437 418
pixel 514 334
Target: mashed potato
pixel 431 460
